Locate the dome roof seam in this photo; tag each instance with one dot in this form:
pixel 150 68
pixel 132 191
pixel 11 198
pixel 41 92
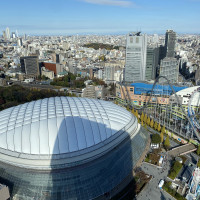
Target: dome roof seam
pixel 101 115
pixel 57 138
pixel 87 101
pixel 89 122
pixel 81 122
pixel 65 124
pixel 73 125
pixel 48 124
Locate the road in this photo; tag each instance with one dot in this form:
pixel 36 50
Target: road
pixel 151 191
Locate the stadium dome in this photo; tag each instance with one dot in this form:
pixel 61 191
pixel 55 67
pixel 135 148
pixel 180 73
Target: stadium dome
pixel 63 139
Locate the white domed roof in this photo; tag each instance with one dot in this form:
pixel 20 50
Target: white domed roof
pixel 60 125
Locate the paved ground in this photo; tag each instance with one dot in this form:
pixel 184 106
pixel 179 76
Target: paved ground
pixel 151 191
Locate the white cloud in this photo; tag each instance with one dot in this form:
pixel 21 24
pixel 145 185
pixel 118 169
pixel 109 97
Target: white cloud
pixel 121 3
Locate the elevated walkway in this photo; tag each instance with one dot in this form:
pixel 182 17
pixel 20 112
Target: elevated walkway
pixel 181 150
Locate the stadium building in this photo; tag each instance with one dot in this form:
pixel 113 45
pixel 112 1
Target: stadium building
pixel 69 148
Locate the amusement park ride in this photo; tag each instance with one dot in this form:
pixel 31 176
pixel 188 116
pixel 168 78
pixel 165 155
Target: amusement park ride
pixel 183 120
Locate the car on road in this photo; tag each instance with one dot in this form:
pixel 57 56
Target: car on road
pixel 161 183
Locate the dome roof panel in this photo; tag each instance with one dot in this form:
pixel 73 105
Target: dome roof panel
pixel 60 125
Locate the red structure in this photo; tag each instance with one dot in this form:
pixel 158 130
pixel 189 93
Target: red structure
pixel 50 66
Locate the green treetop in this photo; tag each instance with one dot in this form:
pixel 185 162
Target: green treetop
pixel 167 142
pixel 162 136
pixel 156 139
pixel 142 117
pixel 136 113
pixel 163 129
pixel 159 127
pixel 148 121
pixel 155 125
pixel 152 123
pixel 145 118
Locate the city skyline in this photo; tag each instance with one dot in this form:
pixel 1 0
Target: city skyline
pixel 100 16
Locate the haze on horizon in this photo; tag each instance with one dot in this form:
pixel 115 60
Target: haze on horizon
pixel 99 16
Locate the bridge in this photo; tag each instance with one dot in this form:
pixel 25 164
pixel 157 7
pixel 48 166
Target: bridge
pixel 181 150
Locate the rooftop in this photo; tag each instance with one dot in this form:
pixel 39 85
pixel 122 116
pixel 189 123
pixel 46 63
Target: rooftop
pixel 57 126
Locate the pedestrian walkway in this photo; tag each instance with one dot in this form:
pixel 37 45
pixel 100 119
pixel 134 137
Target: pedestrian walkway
pixel 181 150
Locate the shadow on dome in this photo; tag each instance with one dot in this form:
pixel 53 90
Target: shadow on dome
pixel 90 161
pixel 96 166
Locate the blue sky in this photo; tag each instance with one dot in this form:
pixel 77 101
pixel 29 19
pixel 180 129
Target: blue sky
pixel 64 17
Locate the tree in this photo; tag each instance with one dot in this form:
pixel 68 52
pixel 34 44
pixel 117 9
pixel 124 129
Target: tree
pixel 102 58
pixel 155 125
pixel 43 77
pixel 142 117
pixel 167 142
pixel 136 114
pixel 148 121
pixel 163 130
pixel 198 164
pixel 127 108
pixel 152 123
pixel 156 139
pixel 198 150
pixel 159 127
pixel 145 118
pixel 162 136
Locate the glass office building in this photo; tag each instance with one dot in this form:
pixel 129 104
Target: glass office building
pixel 68 148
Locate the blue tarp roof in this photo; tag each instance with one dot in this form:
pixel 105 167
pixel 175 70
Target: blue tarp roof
pixel 143 88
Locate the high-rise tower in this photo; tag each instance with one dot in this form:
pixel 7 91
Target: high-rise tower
pixel 136 48
pixel 151 62
pixel 169 69
pixel 7 33
pixel 170 41
pixel 30 65
pixel 4 35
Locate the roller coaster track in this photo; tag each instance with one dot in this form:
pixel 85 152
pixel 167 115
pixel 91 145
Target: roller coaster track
pixel 131 105
pixel 191 112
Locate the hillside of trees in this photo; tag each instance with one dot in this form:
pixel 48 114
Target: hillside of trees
pixel 15 95
pixel 97 46
pixel 69 81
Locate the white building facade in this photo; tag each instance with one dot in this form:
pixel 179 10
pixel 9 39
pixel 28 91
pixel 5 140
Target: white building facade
pixel 136 48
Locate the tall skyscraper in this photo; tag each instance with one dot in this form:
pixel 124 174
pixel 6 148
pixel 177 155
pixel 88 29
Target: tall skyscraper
pixel 19 42
pixel 169 69
pixel 30 65
pixel 109 74
pixel 13 35
pixel 136 49
pixel 16 33
pixel 151 62
pixel 4 35
pixel 7 33
pixel 170 41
